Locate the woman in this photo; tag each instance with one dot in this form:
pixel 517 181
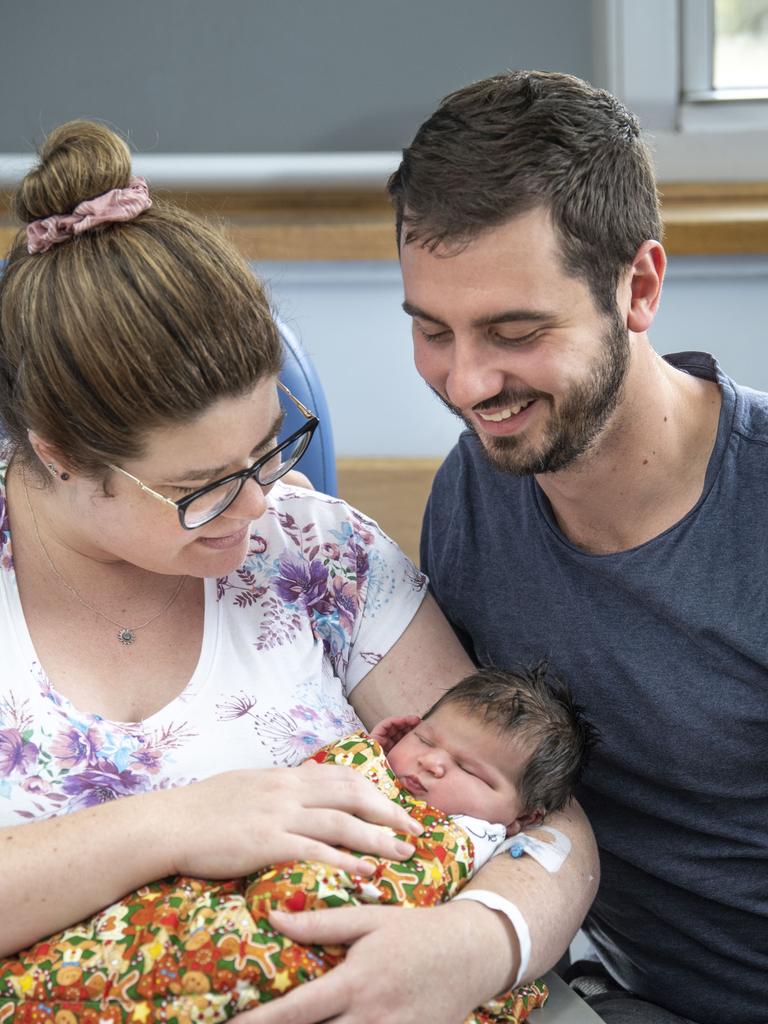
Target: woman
pixel 178 625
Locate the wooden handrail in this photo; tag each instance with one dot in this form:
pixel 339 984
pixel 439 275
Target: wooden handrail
pixel 699 219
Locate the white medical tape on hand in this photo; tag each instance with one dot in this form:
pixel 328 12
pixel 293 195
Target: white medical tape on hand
pixel 551 855
pixel 495 902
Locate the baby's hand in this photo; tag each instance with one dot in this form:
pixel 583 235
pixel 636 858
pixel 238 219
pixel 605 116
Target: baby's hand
pixel 390 731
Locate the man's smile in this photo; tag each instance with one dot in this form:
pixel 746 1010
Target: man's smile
pixel 504 414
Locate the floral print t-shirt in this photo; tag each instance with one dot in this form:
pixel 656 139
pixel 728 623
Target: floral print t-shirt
pixel 322 595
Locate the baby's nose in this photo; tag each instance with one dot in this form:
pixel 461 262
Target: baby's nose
pixel 433 762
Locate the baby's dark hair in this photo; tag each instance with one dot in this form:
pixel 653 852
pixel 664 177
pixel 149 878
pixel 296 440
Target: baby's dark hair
pixel 534 704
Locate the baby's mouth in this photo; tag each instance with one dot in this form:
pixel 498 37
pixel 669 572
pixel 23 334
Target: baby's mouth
pixel 412 784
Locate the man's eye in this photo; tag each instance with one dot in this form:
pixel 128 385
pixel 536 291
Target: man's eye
pixel 519 340
pixel 441 335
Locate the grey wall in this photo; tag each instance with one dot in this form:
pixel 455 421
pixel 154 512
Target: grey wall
pixel 207 76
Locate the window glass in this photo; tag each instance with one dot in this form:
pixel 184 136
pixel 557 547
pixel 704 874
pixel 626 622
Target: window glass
pixel 740 44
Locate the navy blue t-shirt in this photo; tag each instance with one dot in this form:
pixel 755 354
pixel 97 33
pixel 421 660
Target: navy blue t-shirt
pixel 666 646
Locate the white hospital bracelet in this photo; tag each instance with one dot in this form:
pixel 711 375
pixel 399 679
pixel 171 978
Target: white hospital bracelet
pixel 512 914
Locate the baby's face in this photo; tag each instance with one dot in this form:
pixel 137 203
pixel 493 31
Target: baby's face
pixel 463 766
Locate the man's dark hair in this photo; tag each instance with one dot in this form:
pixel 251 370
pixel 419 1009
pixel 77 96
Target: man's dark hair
pixel 525 139
pixel 536 706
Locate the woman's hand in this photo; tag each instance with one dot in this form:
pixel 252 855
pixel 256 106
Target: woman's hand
pixel 398 970
pixel 239 821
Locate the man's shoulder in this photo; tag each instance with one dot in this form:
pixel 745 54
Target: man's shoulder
pixel 750 406
pixel 751 420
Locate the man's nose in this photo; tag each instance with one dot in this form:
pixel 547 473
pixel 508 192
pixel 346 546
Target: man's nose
pixel 474 374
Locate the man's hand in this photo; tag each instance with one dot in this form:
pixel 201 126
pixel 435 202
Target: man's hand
pixel 404 966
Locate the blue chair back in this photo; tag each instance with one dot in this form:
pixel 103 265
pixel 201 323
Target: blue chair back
pixel 300 377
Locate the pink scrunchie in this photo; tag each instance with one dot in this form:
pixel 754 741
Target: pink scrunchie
pixel 117 204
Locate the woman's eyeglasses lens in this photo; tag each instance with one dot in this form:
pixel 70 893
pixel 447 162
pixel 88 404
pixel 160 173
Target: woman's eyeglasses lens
pixel 211 504
pixel 283 461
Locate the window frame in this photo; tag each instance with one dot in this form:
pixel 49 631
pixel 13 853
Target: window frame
pixel 655 56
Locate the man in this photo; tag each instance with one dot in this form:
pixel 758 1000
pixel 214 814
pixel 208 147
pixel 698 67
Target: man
pixel 604 509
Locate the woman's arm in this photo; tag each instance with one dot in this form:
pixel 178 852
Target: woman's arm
pixel 425 662
pixel 58 871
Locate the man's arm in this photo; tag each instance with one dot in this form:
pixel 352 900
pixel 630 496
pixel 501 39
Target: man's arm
pixel 553 905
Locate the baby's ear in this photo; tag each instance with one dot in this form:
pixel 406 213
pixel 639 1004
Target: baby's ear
pixel 527 820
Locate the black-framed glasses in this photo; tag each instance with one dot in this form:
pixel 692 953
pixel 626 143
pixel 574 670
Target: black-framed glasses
pixel 203 505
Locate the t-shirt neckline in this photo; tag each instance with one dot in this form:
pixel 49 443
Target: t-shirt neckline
pixel 698 364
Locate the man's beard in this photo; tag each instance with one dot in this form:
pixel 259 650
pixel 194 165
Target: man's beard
pixel 573 427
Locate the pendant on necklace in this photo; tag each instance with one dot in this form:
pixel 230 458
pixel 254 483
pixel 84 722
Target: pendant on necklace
pixel 126 637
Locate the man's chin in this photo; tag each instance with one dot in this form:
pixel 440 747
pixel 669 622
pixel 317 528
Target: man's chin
pixel 508 454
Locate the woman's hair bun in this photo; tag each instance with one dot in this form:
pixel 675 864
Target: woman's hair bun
pixel 78 160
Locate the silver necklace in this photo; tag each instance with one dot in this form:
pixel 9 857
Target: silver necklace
pixel 126 634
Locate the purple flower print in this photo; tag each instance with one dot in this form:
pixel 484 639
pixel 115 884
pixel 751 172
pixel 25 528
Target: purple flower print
pixel 340 721
pixel 258 545
pixel 371 657
pixel 363 530
pixel 331 551
pixel 16 753
pixel 5 534
pixel 72 747
pixel 344 598
pixel 302 744
pixel 289 743
pixel 100 783
pixel 151 759
pixel 236 707
pixel 301 582
pixel 304 714
pixel 36 784
pixel 361 562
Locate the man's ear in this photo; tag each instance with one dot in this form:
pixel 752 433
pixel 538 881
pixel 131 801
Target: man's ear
pixel 525 821
pixel 645 281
